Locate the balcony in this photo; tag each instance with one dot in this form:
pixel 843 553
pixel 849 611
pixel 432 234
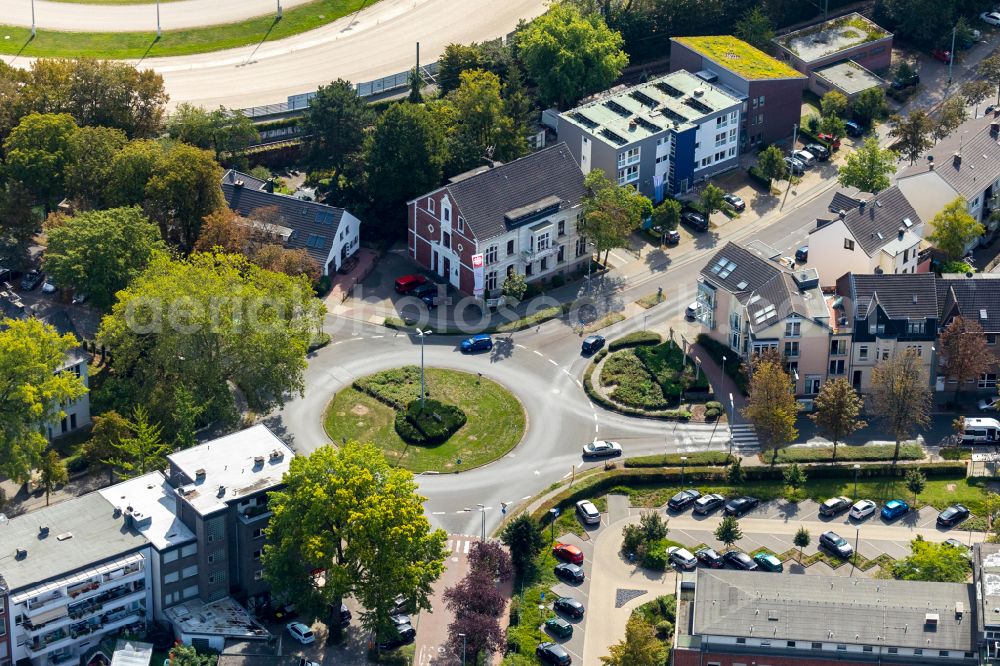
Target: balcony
pixel 65 637
pixel 530 256
pixel 89 607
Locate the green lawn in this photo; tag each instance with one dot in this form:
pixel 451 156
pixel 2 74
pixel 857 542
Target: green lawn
pixel 495 423
pixel 846 453
pixel 51 43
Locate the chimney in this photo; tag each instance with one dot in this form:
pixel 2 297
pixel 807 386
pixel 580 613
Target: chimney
pixel 632 125
pixel 269 186
pixel 842 213
pixel 43 532
pixel 902 230
pixel 994 128
pixel 861 205
pixel 238 183
pixel 199 475
pixel 956 160
pixel 930 166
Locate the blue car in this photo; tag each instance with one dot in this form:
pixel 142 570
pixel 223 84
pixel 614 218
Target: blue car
pixel 481 342
pixel 893 509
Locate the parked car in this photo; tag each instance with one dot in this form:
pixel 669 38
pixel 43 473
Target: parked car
pixel 553 653
pixel 708 503
pixel 49 288
pixel 894 508
pixel 901 83
pixel 402 634
pixel 830 139
pixel 588 512
pixel 795 167
pixel 601 449
pixel 989 404
pixel 768 562
pixel 834 506
pixel 569 606
pixel 428 293
pixel 804 156
pixel 990 109
pixel 740 560
pixel 345 615
pixel 955 543
pixel 31 280
pixel 802 254
pixel 559 627
pixel 671 237
pixel 569 572
pixel 568 553
pixel 691 312
pixel 683 499
pixel 592 344
pixel 682 558
pixel 408 283
pixel 735 201
pixel 401 619
pixel 400 604
pixel 862 509
pixel 300 632
pixel 993 18
pixel 821 152
pixel 854 129
pixel 695 220
pixel 941 55
pixel 952 515
pixel 708 557
pixel 836 544
pixel 739 506
pixel 477 343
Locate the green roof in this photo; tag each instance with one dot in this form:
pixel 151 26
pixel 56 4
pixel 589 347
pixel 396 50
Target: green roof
pixel 738 56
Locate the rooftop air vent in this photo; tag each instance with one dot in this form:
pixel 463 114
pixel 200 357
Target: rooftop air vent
pixel 931 618
pixel 276 455
pixel 698 92
pixel 238 183
pixel 20 554
pixel 258 461
pixel 65 536
pixel 956 160
pixel 199 474
pixel 43 532
pixel 222 491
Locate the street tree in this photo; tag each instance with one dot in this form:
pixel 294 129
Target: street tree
pixel 457 58
pixel 349 513
pixel 492 558
pixel 802 539
pixel 833 103
pixel 31 353
pixel 611 213
pixel 950 115
pixel 869 105
pixel 182 190
pixel 712 200
pixel 900 396
pixel 953 229
pixel 755 28
pixel 101 252
pixel 91 153
pixel 143 450
pixel 771 163
pixel 837 411
pixel 335 125
pixel 771 406
pixel 667 214
pixel 794 477
pixel 653 525
pixel 52 472
pixel 989 70
pixel 640 647
pixel 934 562
pixel 735 474
pixel 912 133
pixel 868 168
pixel 915 483
pixel 963 349
pixel 476 605
pixel 728 532
pixel 975 92
pixel 514 286
pixel 36 152
pixel 832 125
pixel 523 537
pixel 570 55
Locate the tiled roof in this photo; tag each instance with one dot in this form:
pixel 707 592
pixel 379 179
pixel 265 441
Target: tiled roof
pixel 903 296
pixel 314 225
pixel 971 298
pixel 485 198
pixel 877 223
pixel 980 163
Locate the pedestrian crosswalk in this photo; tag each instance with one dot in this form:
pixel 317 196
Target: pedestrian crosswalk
pixel 744 439
pixel 460 544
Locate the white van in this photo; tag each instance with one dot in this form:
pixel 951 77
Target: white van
pixel 981 431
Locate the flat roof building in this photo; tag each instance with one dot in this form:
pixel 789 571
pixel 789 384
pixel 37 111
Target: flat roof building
pixel 849 37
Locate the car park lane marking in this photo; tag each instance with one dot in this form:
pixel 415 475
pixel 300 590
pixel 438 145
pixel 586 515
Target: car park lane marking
pixel 553 363
pixel 538 352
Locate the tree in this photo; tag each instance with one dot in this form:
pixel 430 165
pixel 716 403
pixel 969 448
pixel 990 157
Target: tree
pixel 335 124
pixel 91 153
pixel 349 513
pixel 131 170
pixel 771 163
pixel 801 540
pixel 667 215
pixel 728 532
pixel 570 55
pixel 869 105
pixel 101 252
pixel 36 153
pixel 143 450
pixel 989 70
pixel 755 28
pixel 416 85
pixel 610 213
pixel 219 321
pixel 108 429
pixel 475 633
pixel 640 646
pixel 951 114
pixel 482 129
pixel 228 133
pixel 900 396
pixel 868 168
pixel 912 133
pixel 514 286
pixel 53 473
pixel 290 261
pixel 915 483
pixel 524 539
pixel 963 349
pixel 183 189
pixel 833 104
pixel 771 406
pixel 31 353
pixel 838 408
pixel 457 58
pixel 185 418
pixel 734 473
pixel 712 200
pixel 653 526
pixel 224 230
pixel 975 92
pixel 794 477
pixel 953 229
pixel 18 224
pixel 832 125
pixel 187 655
pixel 934 562
pixel 492 558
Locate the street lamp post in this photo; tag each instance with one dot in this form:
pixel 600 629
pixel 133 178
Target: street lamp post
pixel 159 31
pixel 33 17
pixel 684 460
pixel 856 468
pixel 482 508
pixel 422 334
pixel 555 514
pixel 463 648
pixel 731 417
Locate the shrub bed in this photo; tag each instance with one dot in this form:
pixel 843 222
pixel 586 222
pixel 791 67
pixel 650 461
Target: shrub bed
pixel 634 386
pixel 668 366
pixel 598 397
pixel 635 339
pixel 432 423
pixel 396 388
pixel 674 459
pixel 956 453
pixel 847 453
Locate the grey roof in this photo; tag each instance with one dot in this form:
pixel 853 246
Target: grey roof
pixel 903 296
pixel 849 76
pixel 876 223
pixel 971 298
pixel 986 565
pixel 97 535
pixel 834 609
pixel 309 221
pixel 132 653
pixel 550 176
pixel 152 503
pixel 980 163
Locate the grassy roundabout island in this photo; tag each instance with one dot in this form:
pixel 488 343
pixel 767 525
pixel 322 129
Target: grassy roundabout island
pixel 369 409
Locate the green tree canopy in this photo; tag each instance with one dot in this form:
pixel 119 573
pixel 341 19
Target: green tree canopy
pixel 912 133
pixel 37 151
pixel 728 531
pixel 833 104
pixel 868 168
pixel 976 91
pixel 611 213
pixel 640 647
pixel 142 450
pixel 31 353
pixel 801 540
pixel 712 199
pixel 755 28
pixel 524 539
pixel 19 223
pixel 954 229
pixel 457 58
pixel 935 562
pixel 183 189
pixel 771 163
pixel 53 473
pixel 794 476
pixel 771 406
pixel 226 132
pixel 570 55
pixel 989 71
pixel 130 172
pixel 92 151
pixel 481 128
pixel 349 513
pixel 950 115
pixel 869 105
pixel 335 124
pixel 832 125
pixel 838 408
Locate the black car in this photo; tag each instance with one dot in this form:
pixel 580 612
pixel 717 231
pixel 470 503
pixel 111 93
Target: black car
pixel 802 254
pixel 683 499
pixel 402 635
pixel 553 653
pixel 740 560
pixel 854 129
pixel 707 557
pixel 695 220
pixel 569 572
pixel 735 201
pixel 836 544
pixel 569 606
pixel 671 237
pixel 32 279
pixel 428 293
pixel 819 151
pixel 592 343
pixel 902 82
pixel 738 506
pixel 954 514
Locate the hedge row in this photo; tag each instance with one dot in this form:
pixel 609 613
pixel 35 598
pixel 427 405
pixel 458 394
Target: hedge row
pixel 809 137
pixel 668 415
pixel 428 424
pixel 507 327
pixel 635 339
pixel 848 453
pixel 702 458
pixel 395 388
pixel 277 124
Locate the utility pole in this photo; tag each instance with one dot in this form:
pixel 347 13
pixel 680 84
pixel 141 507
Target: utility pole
pixel 951 54
pixel 423 391
pixel 33 17
pixel 159 32
pixel 279 8
pixel 418 57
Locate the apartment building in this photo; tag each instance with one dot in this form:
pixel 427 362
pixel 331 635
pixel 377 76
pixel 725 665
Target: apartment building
pixel 975 297
pixel 848 38
pixel 661 137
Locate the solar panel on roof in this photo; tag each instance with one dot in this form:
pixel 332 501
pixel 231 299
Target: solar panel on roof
pixel 648 125
pixel 583 120
pixel 698 106
pixel 642 98
pixel 618 108
pixel 673 115
pixel 614 137
pixel 669 89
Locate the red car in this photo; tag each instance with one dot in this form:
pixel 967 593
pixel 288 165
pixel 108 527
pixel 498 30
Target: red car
pixel 942 55
pixel 568 553
pixel 831 139
pixel 408 283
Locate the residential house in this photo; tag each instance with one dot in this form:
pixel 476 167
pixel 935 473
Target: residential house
pixel 329 235
pixel 770 90
pixel 866 234
pixel 518 217
pixel 661 136
pixel 964 164
pixel 976 297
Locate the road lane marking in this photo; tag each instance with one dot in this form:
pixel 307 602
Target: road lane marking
pixel 466 550
pixel 520 346
pixel 526 497
pixel 578 382
pixel 438 513
pixel 553 363
pixel 538 352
